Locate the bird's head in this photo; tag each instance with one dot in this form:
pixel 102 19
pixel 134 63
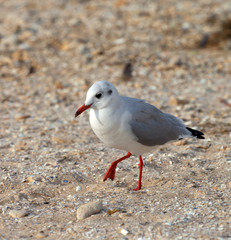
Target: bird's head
pixel 100 95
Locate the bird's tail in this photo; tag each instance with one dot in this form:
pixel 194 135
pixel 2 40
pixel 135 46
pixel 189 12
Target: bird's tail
pixel 196 133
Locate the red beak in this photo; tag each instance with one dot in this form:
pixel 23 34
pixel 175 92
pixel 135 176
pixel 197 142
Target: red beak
pixel 82 109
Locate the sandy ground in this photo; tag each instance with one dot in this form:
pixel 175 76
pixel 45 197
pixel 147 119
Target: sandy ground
pixel 173 54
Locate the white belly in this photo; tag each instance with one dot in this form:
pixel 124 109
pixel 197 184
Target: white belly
pixel 116 133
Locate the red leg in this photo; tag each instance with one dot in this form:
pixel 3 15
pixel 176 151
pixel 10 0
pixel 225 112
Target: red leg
pixel 140 174
pixel 112 169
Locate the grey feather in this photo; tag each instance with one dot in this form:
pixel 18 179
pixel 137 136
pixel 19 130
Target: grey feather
pixel 153 127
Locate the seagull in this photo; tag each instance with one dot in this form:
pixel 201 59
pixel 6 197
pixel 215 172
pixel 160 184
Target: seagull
pixel 130 124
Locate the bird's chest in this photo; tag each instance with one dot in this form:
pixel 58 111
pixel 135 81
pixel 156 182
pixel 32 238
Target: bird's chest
pixel 107 126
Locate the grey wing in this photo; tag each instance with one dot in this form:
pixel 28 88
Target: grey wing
pixel 153 127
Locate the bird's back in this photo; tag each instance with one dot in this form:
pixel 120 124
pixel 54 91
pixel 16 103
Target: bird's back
pixel 151 126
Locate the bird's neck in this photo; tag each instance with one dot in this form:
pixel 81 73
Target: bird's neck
pixel 108 111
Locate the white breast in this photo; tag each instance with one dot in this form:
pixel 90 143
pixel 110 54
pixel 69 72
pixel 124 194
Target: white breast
pixel 113 129
pixel 107 126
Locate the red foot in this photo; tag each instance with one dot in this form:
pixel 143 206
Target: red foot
pixel 136 189
pixel 110 172
pixel 112 169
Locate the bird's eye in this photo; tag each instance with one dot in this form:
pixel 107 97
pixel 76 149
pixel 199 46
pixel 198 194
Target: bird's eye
pixel 98 95
pixel 110 92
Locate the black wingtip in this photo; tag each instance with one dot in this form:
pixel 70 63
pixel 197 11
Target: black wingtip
pixel 196 133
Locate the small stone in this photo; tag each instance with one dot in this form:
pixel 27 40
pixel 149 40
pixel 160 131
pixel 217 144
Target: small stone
pixel 71 231
pixel 180 142
pixel 22 117
pixel 204 146
pixel 51 163
pixel 124 215
pixel 5 209
pixel 78 188
pixel 58 139
pixel 124 232
pixel 41 235
pixel 190 185
pixel 169 223
pixel 89 209
pixel 127 72
pixel 112 211
pixel 178 101
pixel 223 148
pixel 71 197
pixel 19 213
pixel 159 230
pixel 30 180
pixel 119 41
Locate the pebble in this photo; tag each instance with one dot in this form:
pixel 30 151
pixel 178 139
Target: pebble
pixel 71 231
pixel 78 188
pixel 71 197
pixel 178 101
pixel 30 180
pixel 19 213
pixel 124 232
pixel 181 142
pixel 89 209
pixel 41 235
pixel 119 41
pixel 112 211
